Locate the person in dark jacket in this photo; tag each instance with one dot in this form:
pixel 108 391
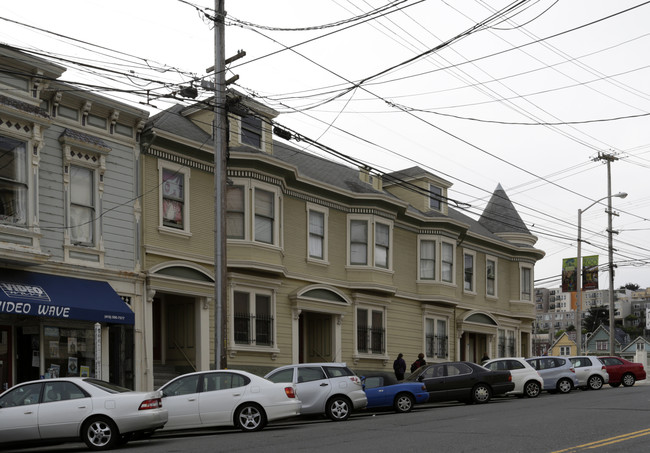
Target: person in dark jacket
pixel 399 365
pixel 418 363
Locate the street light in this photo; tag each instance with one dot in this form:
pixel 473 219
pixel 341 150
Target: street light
pixel 579 265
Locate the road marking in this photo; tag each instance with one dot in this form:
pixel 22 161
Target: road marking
pixel 605 442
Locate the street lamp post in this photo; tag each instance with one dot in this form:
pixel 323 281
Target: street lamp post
pixel 579 266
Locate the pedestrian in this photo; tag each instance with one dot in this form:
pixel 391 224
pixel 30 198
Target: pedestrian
pixel 399 365
pixel 485 358
pixel 418 363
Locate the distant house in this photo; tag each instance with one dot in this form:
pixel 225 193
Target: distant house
pixel 630 351
pixel 563 346
pixel 598 342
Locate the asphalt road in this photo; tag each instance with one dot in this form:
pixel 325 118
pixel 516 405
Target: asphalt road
pixel 607 420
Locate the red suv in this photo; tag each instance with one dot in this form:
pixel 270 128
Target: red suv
pixel 622 371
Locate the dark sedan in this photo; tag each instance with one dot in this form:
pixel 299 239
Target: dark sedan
pixel 462 381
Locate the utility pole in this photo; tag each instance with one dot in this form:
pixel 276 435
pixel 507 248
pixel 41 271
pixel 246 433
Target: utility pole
pixel 219 128
pixel 609 158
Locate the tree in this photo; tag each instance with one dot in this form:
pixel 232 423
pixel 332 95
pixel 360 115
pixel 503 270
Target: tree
pixel 595 317
pixel 630 286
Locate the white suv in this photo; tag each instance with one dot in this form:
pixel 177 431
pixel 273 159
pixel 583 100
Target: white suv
pixel 590 371
pixel 323 388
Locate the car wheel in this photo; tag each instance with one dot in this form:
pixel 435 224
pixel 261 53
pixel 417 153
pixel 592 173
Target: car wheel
pixel 250 417
pixel 403 403
pixel 615 384
pixel 338 409
pixel 595 382
pixel 532 389
pixel 564 386
pixel 481 393
pixel 100 433
pixel 628 380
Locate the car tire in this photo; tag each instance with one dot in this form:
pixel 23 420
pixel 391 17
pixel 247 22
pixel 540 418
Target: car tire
pixel 481 393
pixel 338 408
pixel 403 403
pixel 615 384
pixel 595 383
pixel 100 433
pixel 250 417
pixel 532 389
pixel 628 380
pixel 564 385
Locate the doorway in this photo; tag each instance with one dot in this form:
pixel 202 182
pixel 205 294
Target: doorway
pixel 315 333
pixel 5 358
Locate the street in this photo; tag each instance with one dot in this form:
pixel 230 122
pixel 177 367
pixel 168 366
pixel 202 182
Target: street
pixel 607 420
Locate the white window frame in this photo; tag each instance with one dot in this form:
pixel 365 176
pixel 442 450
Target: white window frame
pixel 435 203
pixel 92 207
pixel 185 172
pixel 565 350
pixel 370 307
pixel 436 320
pixel 244 192
pixel 277 223
pixel 385 248
pixel 472 289
pixel 523 269
pixel 493 259
pixel 431 240
pixel 310 207
pixel 261 133
pixel 370 221
pixel 253 292
pixel 23 220
pixel 444 243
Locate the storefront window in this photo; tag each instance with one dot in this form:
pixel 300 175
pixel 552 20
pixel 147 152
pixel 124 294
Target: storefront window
pixel 69 352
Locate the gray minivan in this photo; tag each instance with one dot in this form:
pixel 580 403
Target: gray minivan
pixel 323 388
pixel 557 373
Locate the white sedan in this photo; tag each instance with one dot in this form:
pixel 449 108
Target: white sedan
pixel 99 413
pixel 227 398
pixel 527 380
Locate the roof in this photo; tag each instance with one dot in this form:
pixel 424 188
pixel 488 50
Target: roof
pixel 500 215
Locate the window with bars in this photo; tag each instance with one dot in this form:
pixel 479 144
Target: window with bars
pixel 370 331
pixel 436 338
pixel 501 343
pixel 253 319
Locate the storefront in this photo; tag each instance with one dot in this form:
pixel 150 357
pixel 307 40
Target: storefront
pixel 62 326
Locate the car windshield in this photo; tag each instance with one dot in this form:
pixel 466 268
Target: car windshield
pixel 107 386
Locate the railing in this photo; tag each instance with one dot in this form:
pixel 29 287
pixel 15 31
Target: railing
pixel 187 359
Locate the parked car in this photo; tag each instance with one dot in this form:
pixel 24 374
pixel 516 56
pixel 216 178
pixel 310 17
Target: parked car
pixel 383 390
pixel 527 380
pixel 590 371
pixel 463 381
pixel 100 414
pixel 622 371
pixel 323 388
pixel 557 373
pixel 227 398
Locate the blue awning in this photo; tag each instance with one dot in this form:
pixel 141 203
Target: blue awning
pixel 53 296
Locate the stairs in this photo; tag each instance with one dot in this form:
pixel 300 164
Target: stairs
pixel 162 374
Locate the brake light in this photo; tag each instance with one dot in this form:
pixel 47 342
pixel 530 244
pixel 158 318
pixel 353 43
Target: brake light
pixel 424 388
pixel 572 370
pixel 289 392
pixel 510 378
pixel 155 403
pixel 355 379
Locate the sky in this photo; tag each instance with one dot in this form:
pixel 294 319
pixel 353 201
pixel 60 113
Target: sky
pixel 528 94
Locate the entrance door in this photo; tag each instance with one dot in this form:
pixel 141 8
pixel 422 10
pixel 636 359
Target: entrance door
pixel 181 337
pixel 317 337
pixel 5 358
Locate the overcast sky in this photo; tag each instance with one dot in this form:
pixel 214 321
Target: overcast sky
pixel 525 94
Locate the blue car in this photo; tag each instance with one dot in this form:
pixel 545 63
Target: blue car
pixel 383 390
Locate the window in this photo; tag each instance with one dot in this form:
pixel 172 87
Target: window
pixel 253 318
pixel 82 205
pixel 501 343
pixel 173 199
pixel 235 212
pixel 13 181
pixel 316 234
pixel 183 386
pixel 358 242
pixel 251 131
pixel 382 242
pixel 447 262
pixel 370 331
pixel 223 381
pixel 436 338
pixel 435 198
pixel 526 283
pixel 427 260
pixel 468 282
pixel 491 277
pixel 602 345
pixel 264 216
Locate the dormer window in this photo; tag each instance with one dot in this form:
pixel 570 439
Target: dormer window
pixel 251 131
pixel 435 197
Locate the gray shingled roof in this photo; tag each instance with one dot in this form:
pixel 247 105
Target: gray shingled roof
pixel 500 215
pixel 172 121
